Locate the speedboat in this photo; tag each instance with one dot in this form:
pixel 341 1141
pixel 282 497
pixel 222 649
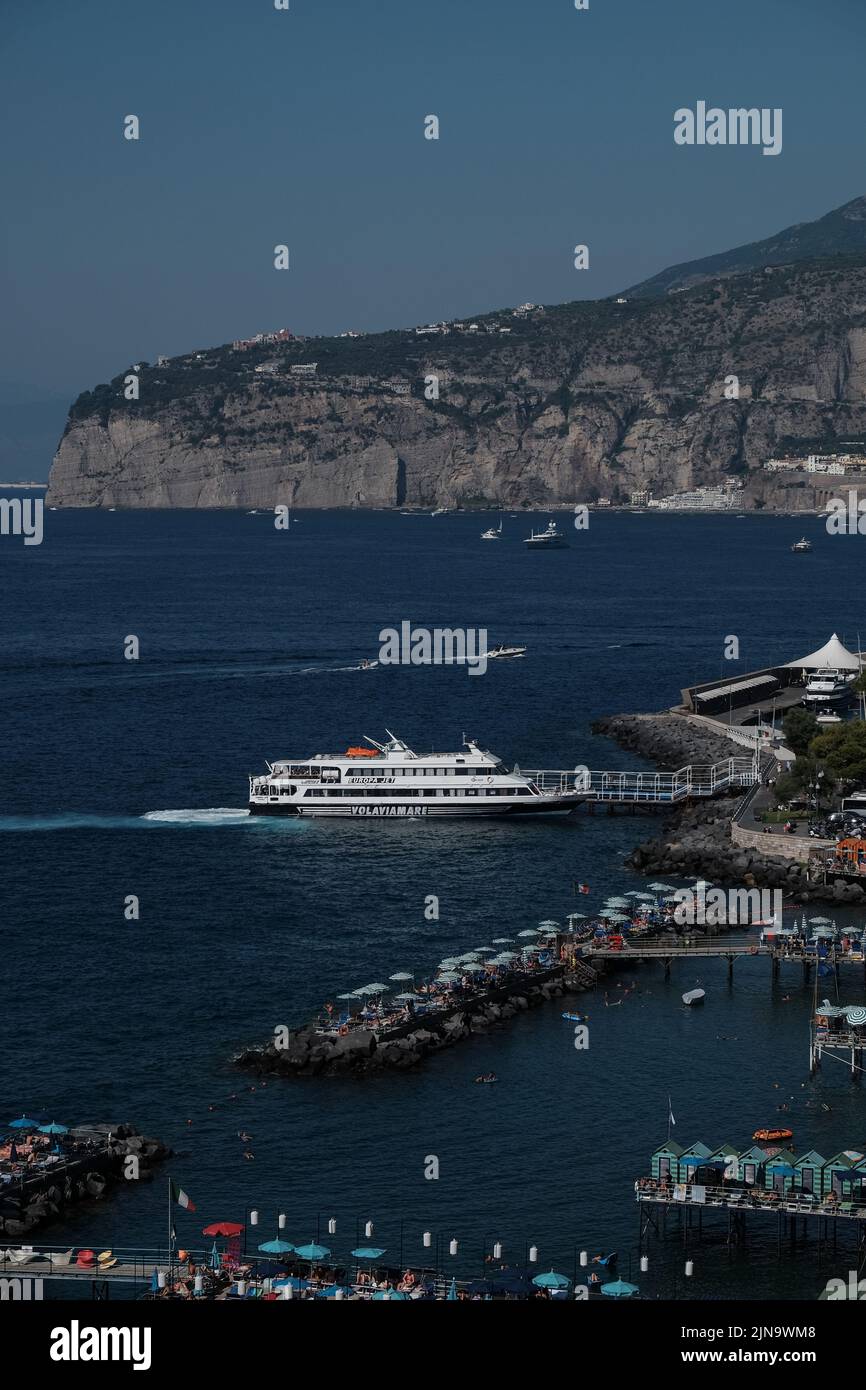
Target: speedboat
pixel 828 686
pixel 504 653
pixel 367 665
pixel 802 547
pixel 550 539
pixel 493 533
pixel 694 996
pixel 772 1136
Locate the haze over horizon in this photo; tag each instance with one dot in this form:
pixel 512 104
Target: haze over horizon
pixel 305 127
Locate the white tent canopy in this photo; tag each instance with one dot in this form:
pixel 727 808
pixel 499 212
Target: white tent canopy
pixel 832 654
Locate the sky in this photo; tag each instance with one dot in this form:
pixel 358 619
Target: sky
pixel 305 127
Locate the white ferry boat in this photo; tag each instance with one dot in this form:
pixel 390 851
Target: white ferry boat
pixel 389 779
pixel 549 539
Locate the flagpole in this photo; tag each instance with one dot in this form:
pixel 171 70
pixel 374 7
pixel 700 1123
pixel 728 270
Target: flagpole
pixel 169 1233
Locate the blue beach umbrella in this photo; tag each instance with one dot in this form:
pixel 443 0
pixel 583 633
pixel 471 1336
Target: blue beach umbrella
pixel 53 1129
pixel 154 1280
pixel 312 1252
pixel 215 1261
pixel 367 1252
pixel 551 1280
pixel 618 1288
pixel 24 1123
pixel 451 1296
pixel 276 1247
pixel 382 1294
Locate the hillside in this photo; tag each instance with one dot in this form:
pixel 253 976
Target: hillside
pixel 573 402
pixel 841 232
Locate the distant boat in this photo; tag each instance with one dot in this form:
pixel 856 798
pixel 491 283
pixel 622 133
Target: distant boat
pixel 502 653
pixel 828 716
pixel 694 996
pixel 802 547
pixel 440 511
pixel 494 532
pixel 550 539
pixel 367 665
pixel 772 1136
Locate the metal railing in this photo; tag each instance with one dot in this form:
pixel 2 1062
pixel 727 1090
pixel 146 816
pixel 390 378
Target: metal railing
pixel 649 786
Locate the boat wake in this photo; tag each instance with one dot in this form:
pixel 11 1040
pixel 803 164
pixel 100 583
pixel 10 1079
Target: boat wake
pixel 211 815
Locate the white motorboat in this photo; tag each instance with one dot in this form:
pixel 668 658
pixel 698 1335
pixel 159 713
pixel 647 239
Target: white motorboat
pixel 694 996
pixel 389 779
pixel 503 653
pixel 802 547
pixel 828 716
pixel 550 539
pixel 494 533
pixel 828 687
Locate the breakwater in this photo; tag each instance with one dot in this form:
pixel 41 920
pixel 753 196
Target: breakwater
pixel 699 839
pixel 312 1051
pixel 94 1158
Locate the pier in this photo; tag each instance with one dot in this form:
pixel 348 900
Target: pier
pixel 649 788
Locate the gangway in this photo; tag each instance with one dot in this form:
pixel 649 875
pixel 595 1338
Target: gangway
pixel 656 787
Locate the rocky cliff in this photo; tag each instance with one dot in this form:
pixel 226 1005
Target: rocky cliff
pixel 559 405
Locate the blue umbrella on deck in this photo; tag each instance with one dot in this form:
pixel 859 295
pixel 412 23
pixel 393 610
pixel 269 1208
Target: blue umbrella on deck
pixel 215 1261
pixel 451 1296
pixel 24 1123
pixel 551 1280
pixel 154 1280
pixel 618 1288
pixel 382 1294
pixel 53 1129
pixel 367 1252
pixel 276 1247
pixel 312 1252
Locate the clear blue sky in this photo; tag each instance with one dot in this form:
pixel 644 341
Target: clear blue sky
pixel 306 127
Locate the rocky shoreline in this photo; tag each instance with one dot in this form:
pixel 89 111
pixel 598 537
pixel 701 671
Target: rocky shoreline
pixel 86 1176
pixel 310 1052
pixel 698 840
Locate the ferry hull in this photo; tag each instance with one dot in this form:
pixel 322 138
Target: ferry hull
pixel 408 811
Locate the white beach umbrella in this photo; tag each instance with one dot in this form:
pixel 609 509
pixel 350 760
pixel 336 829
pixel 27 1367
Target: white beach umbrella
pixel 530 931
pixel 548 923
pixel 401 975
pixel 502 940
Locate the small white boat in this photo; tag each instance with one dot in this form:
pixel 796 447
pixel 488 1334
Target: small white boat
pixel 440 511
pixel 828 686
pixel 802 547
pixel 550 539
pixel 694 996
pixel 828 716
pixel 503 653
pixel 493 533
pixel 367 665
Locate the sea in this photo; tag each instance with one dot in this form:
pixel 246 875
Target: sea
pixel 127 779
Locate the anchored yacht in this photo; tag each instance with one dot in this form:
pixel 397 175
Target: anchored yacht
pixel 828 687
pixel 802 547
pixel 389 779
pixel 550 539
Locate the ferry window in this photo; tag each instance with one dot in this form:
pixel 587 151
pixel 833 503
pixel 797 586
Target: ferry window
pixel 429 791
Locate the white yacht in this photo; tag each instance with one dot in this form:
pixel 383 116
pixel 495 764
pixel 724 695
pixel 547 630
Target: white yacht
pixel 828 686
pixel 494 533
pixel 389 779
pixel 802 547
pixel 551 539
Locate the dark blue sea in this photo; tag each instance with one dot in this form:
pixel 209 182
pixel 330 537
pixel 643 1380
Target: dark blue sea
pixel 130 777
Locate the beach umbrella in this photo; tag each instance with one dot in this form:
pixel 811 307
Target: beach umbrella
pixel 449 975
pixel 214 1260
pixel 549 923
pixel 618 1288
pixel 24 1123
pixel 661 887
pixel 447 963
pixel 352 995
pixel 451 1296
pixel 276 1247
pixel 485 951
pixel 312 1252
pixel 405 997
pixel 551 1280
pixel 856 1016
pixel 401 975
pixel 397 1294
pixel 53 1129
pixel 154 1280
pixel 546 931
pixel 223 1228
pixel 502 940
pixel 616 902
pixel 820 921
pixel 476 969
pixel 530 931
pixel 367 1252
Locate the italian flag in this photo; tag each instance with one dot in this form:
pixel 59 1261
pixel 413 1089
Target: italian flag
pixel 182 1198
